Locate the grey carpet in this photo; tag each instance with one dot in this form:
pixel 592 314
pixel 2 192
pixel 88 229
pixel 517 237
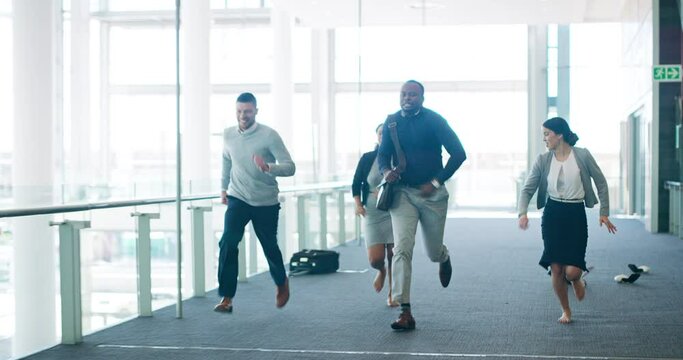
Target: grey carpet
pixel 499 305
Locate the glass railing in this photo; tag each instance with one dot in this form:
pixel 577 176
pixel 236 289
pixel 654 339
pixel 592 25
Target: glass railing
pixel 127 263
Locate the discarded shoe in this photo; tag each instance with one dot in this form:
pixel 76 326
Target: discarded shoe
pixel 621 278
pixel 639 269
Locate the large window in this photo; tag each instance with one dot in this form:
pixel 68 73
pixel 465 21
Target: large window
pixel 434 53
pixel 6 107
pixel 476 80
pixel 142 55
pixel 597 97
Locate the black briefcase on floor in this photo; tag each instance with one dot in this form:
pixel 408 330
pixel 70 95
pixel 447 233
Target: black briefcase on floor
pixel 314 262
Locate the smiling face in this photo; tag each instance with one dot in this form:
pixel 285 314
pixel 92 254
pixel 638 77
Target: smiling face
pixel 552 140
pixel 411 97
pixel 246 115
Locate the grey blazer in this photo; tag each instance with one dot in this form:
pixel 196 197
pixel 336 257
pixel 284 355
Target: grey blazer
pixel 538 180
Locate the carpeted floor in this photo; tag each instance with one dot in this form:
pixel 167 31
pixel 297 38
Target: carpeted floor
pixel 499 305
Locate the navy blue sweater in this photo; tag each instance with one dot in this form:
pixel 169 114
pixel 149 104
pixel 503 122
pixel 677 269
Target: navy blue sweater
pixel 421 137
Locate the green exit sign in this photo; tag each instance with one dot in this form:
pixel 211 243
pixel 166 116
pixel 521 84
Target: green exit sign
pixel 667 73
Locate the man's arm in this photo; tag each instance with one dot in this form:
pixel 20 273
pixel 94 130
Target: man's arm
pixel 453 146
pixel 284 165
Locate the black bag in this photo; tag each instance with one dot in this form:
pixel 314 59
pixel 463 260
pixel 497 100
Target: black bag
pixel 314 262
pixel 385 196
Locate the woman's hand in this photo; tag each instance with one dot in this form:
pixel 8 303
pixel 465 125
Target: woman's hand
pixel 610 227
pixel 523 222
pixel 360 210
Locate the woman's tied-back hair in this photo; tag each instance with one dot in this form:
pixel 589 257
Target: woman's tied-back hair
pixel 560 126
pixel 247 97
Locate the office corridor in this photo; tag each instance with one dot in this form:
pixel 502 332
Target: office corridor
pixel 500 305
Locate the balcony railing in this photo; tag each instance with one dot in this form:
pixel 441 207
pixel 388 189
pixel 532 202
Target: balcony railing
pixel 312 216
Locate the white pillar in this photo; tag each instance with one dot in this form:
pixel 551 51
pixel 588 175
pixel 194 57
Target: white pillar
pixel 282 88
pixel 563 72
pixel 537 89
pixel 196 94
pixel 80 172
pixel 322 81
pixel 32 172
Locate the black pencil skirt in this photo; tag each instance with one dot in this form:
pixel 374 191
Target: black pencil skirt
pixel 565 234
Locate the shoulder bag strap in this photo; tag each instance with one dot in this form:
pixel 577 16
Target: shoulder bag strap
pixel 399 152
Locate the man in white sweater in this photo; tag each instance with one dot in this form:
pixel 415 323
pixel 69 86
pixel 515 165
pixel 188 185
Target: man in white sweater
pixel 253 155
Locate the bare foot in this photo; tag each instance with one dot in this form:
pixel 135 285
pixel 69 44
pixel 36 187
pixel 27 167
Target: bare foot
pixel 579 288
pixel 378 284
pixel 566 317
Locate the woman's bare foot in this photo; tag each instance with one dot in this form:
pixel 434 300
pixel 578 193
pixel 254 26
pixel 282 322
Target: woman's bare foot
pixel 378 284
pixel 579 288
pixel 566 317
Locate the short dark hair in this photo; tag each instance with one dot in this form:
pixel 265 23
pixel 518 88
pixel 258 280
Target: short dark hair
pixel 247 97
pixel 422 88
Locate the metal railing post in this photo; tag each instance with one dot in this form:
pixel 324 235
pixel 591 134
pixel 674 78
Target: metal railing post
pixel 342 217
pixel 242 260
pixel 322 200
pixel 253 251
pixel 302 221
pixel 144 261
pixel 282 227
pixel 198 275
pixel 70 279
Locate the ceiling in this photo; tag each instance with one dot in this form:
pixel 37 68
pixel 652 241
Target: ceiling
pixel 341 13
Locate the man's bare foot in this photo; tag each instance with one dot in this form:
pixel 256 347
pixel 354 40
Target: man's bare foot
pixel 566 317
pixel 579 288
pixel 378 284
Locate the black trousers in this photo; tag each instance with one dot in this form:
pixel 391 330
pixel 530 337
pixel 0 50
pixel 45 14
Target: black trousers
pixel 264 219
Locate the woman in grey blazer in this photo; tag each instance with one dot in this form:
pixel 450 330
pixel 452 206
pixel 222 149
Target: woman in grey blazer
pixel 562 177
